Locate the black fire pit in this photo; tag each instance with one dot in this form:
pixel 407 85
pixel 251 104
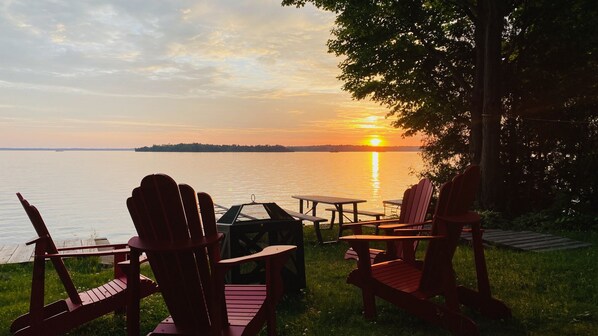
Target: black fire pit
pixel 248 228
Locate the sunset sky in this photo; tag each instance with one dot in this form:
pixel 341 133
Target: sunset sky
pixel 135 73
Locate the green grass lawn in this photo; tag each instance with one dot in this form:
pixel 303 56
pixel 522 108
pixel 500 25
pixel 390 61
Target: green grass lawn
pixel 550 293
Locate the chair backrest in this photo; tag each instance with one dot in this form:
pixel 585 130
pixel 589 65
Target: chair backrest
pixel 163 211
pixel 455 198
pixel 416 200
pixel 49 247
pixel 463 192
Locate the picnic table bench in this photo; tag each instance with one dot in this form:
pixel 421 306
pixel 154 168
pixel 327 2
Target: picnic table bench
pixel 314 219
pixel 310 218
pixel 376 214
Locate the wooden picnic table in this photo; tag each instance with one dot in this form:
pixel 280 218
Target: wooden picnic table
pixel 338 203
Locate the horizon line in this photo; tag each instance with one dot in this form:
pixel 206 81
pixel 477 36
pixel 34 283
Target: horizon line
pixel 133 148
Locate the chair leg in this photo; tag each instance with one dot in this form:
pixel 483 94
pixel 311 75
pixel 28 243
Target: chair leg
pixel 36 304
pixel 369 304
pixel 489 307
pixel 271 325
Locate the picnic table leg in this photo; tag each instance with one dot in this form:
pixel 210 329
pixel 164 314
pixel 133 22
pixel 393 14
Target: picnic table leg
pixel 313 209
pixel 317 224
pixel 339 208
pixel 318 233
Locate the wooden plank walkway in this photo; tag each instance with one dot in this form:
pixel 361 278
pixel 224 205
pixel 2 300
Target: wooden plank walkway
pixel 527 240
pixel 519 240
pixel 14 254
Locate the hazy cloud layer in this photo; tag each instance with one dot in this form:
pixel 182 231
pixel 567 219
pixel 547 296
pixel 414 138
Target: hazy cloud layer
pixel 172 71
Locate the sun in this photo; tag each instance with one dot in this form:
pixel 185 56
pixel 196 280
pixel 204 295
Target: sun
pixel 375 142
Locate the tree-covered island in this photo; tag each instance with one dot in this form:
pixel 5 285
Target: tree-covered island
pixel 198 147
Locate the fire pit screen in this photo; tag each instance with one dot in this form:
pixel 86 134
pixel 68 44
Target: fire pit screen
pixel 248 228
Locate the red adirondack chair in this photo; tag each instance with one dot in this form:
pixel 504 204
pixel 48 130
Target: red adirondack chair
pixel 416 201
pixel 410 286
pixel 183 248
pixel 61 316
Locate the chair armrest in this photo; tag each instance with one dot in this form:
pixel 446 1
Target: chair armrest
pixel 410 231
pixel 403 225
pixel 365 238
pixel 161 246
pixel 35 240
pixel 87 254
pixel 372 222
pixel 126 263
pixel 267 252
pixel 352 224
pixel 360 244
pixel 89 247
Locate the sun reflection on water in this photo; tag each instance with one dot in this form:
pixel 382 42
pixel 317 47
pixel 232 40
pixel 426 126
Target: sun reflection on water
pixel 375 174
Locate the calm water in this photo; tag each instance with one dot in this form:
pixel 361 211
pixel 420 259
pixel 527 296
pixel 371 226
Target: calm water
pixel 83 193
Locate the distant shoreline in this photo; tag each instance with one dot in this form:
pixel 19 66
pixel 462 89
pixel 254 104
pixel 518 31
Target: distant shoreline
pixel 68 149
pixel 237 148
pixel 202 148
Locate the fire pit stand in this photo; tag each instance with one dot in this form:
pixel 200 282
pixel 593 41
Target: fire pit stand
pixel 248 228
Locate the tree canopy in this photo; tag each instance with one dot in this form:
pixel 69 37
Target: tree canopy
pixel 430 64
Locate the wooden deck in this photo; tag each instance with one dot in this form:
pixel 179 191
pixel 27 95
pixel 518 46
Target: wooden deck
pixel 14 254
pixel 527 240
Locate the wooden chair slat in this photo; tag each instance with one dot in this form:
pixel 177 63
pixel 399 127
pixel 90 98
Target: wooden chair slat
pixel 100 293
pixel 111 288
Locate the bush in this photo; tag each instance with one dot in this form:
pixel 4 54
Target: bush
pixel 545 220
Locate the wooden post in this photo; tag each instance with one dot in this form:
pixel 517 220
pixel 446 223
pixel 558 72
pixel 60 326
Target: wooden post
pixel 36 303
pixel 480 261
pixel 133 294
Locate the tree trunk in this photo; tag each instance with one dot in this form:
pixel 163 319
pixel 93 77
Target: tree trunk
pixel 490 160
pixel 477 94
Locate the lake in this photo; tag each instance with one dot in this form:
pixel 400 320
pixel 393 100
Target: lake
pixel 83 193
